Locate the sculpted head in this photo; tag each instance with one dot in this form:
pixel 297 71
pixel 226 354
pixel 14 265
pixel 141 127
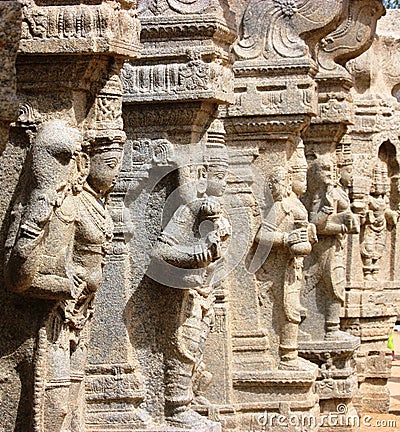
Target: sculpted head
pixel 214 170
pixel 105 164
pixel 345 164
pixel 278 183
pixel 380 179
pixel 298 170
pixel 54 153
pixel 320 173
pixel 346 175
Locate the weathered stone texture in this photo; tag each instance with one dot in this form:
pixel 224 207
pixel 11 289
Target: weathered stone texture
pixel 199 211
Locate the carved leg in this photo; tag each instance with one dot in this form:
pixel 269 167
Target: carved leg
pixel 79 349
pixel 183 364
pixel 368 268
pixel 58 381
pixel 332 321
pixel 288 346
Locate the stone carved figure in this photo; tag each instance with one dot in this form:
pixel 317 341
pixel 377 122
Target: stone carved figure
pixel 192 242
pixel 377 219
pixel 330 212
pixel 59 250
pixel 289 234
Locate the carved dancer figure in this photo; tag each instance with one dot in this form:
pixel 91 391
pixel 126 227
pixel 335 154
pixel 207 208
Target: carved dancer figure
pixel 192 243
pixel 378 219
pixel 58 255
pixel 288 231
pixel 330 212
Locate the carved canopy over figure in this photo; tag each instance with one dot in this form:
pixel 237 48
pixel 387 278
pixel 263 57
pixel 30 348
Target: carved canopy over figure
pixel 287 229
pixel 58 255
pixel 377 219
pixel 330 211
pixel 192 244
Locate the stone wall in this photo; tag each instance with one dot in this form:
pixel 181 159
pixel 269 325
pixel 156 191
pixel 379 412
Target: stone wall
pixel 199 213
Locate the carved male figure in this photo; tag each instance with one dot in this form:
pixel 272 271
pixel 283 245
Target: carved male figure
pixel 330 212
pixel 288 232
pixel 57 255
pixel 192 243
pixel 377 220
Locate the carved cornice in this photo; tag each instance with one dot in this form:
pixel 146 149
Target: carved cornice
pixel 254 128
pixel 88 29
pixel 194 79
pixel 286 30
pixel 159 8
pixel 173 71
pixel 351 38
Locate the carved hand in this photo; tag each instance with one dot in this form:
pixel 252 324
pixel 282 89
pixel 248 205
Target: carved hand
pixel 211 207
pixel 213 242
pixel 299 235
pixel 312 233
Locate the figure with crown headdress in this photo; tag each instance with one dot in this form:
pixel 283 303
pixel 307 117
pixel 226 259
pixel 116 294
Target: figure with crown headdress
pixel 190 249
pixel 329 209
pixel 378 218
pixel 289 234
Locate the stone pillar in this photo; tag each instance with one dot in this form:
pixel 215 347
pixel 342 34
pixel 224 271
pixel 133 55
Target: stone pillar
pixel 67 67
pixel 10 28
pixel 276 97
pixel 372 293
pixel 330 163
pixel 171 95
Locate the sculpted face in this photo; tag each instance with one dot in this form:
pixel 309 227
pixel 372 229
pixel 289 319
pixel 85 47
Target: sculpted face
pixel 278 184
pixel 104 169
pixel 299 182
pixel 324 172
pixel 346 175
pixel 216 180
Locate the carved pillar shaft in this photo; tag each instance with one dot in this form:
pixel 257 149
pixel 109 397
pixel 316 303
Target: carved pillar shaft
pixel 67 67
pixel 11 31
pixel 325 288
pixel 170 97
pixel 275 100
pixel 372 288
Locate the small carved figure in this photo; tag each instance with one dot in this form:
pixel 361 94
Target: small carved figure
pixel 291 237
pixel 192 244
pixel 330 212
pixel 58 255
pixel 378 218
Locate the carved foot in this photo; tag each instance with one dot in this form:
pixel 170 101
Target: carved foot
pixel 190 419
pixel 297 364
pixel 338 335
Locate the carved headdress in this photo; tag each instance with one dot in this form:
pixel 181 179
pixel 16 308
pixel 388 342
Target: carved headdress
pixel 215 152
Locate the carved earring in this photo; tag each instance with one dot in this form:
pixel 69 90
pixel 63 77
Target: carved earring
pixel 201 181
